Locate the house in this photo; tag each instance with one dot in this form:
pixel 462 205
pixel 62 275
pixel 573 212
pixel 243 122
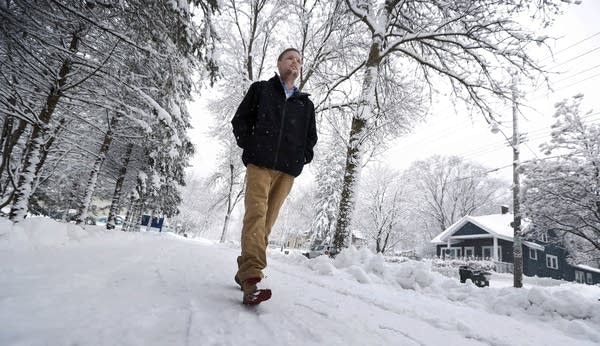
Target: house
pixel 358 239
pixel 491 237
pixel 295 241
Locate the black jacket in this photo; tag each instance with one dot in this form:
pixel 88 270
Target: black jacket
pixel 274 132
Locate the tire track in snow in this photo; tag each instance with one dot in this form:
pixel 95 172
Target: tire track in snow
pixel 325 315
pixel 406 335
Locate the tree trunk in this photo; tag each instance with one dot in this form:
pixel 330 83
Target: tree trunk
pixel 128 216
pixel 229 205
pixel 355 150
pixel 20 206
pixel 138 206
pixel 8 142
pixel 133 217
pixel 114 206
pixel 44 150
pixel 137 217
pixel 93 178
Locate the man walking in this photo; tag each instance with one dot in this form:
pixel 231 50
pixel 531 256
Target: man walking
pixel 275 126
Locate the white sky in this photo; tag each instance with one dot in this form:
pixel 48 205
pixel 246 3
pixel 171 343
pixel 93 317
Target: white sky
pixel 448 133
pixel 65 286
pixel 471 138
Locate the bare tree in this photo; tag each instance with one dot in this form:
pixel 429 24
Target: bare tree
pixel 448 188
pixel 472 45
pixel 382 208
pixel 228 184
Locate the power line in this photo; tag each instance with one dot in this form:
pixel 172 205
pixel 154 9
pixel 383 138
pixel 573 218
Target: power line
pixel 581 81
pixel 578 73
pixel 500 144
pixel 484 173
pixel 440 164
pixel 437 134
pixel 571 46
pixel 576 57
pixel 533 135
pixel 541 94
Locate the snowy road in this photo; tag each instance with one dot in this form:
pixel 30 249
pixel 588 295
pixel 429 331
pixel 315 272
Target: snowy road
pixel 152 289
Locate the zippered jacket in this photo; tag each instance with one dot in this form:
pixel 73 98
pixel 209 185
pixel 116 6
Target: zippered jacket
pixel 274 132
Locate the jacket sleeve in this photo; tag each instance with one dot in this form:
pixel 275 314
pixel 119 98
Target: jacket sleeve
pixel 245 117
pixel 311 136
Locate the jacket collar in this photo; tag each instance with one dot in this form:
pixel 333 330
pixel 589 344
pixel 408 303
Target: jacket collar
pixel 277 82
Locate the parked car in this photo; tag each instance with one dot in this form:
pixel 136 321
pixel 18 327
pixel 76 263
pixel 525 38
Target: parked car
pixel 71 215
pixel 318 250
pixel 103 219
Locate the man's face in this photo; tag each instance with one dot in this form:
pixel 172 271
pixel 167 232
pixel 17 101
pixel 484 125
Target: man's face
pixel 290 65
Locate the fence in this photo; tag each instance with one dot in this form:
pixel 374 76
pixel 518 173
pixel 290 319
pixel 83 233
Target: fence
pixel 451 264
pixel 504 267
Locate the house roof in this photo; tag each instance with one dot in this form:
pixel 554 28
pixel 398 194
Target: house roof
pixel 358 234
pixel 588 268
pixel 497 225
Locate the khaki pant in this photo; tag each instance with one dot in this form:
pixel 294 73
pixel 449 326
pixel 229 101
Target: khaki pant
pixel 266 189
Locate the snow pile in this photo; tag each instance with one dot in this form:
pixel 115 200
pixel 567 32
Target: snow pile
pixel 321 265
pixel 42 232
pixel 562 301
pixel 414 275
pixel 36 232
pixel 366 267
pixel 579 315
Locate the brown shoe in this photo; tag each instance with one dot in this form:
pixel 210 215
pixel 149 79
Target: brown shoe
pixel 253 295
pixel 257 297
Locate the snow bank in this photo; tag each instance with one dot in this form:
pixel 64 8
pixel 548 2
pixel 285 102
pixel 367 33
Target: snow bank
pixel 42 232
pixel 36 232
pixel 365 267
pixel 552 299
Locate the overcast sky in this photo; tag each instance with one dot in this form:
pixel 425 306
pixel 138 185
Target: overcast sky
pixel 446 132
pixel 576 57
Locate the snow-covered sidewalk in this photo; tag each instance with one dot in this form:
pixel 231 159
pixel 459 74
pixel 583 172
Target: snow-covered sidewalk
pixel 60 285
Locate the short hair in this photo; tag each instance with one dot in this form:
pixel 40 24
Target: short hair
pixel 287 50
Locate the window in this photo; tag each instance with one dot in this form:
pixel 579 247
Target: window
pixel 552 261
pixel 452 252
pixel 488 250
pixel 579 276
pixel 544 237
pixel 589 278
pixel 533 254
pixel 469 251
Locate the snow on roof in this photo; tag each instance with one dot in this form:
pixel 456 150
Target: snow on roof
pixel 440 238
pixel 584 267
pixel 358 234
pixel 496 224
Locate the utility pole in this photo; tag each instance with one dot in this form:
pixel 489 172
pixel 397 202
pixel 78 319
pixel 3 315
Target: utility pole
pixel 517 245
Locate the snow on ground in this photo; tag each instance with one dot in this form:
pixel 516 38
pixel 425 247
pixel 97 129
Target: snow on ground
pixel 60 285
